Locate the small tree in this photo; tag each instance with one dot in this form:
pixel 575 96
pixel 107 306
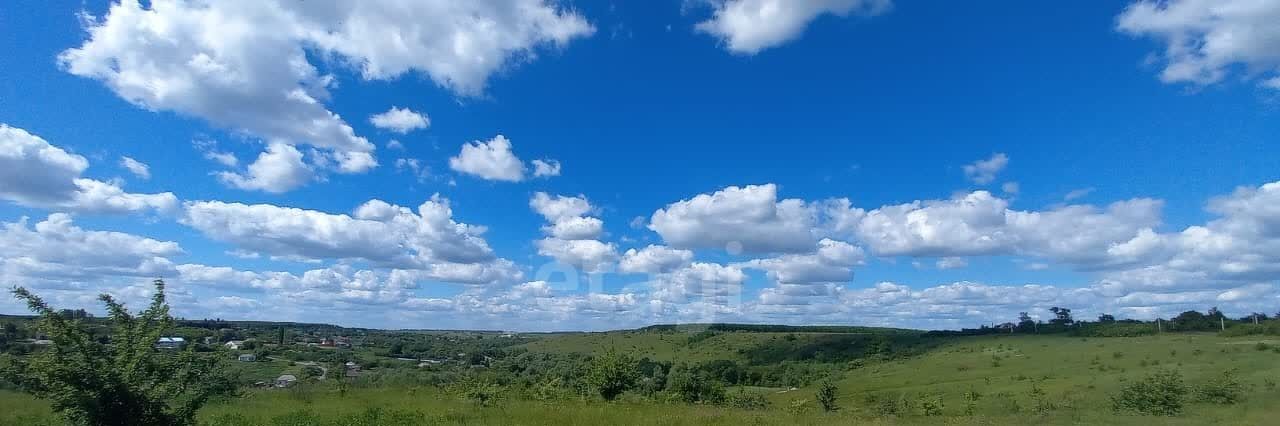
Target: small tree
pixel 971 398
pixel 826 396
pixel 124 382
pixel 1061 316
pixel 613 373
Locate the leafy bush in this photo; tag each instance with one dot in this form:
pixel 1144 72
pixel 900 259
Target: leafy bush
pixel 930 404
pixel 1162 393
pixel 123 381
pixel 826 396
pixel 1224 389
pixel 747 400
pixel 612 374
pixel 971 398
pixel 689 386
pixel 481 392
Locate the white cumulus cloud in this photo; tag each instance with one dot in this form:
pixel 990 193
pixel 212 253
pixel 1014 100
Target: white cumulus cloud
pixel 35 173
pixel 749 26
pixel 400 120
pixel 1204 40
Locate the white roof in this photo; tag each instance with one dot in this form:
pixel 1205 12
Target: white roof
pixel 288 377
pixel 172 339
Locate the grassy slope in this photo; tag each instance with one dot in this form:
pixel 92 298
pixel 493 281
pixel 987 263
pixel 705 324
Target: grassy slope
pixel 1063 367
pixel 656 346
pixel 667 346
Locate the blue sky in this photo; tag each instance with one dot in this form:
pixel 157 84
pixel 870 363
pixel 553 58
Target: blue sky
pixel 694 127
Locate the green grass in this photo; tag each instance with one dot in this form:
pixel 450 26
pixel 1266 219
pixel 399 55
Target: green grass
pixel 1076 376
pixel 664 346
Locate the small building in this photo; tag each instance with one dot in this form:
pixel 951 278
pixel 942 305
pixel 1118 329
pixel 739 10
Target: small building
pixel 234 345
pixel 171 343
pixel 286 381
pixel 353 369
pixel 247 358
pixel 42 342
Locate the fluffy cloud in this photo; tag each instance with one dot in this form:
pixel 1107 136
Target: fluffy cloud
pixel 1241 247
pixel 654 259
pixel 1205 39
pixel 591 256
pixel 559 207
pixel 491 160
pixel 749 26
pixel 979 223
pixel 750 218
pixel 136 167
pixel 57 252
pixel 832 262
pixel 249 68
pixel 400 120
pixel 699 280
pixel 378 232
pixel 35 173
pixel 277 170
pixel 983 172
pixel 546 168
pixel 573 236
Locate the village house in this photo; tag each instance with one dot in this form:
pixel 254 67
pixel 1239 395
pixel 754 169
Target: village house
pixel 171 343
pixel 286 381
pixel 247 358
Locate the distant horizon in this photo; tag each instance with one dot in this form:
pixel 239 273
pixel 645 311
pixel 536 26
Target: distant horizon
pixel 579 165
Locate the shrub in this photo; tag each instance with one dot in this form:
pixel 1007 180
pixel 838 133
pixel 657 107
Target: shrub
pixel 747 400
pixel 930 404
pixel 690 386
pixel 826 396
pixel 1041 400
pixel 798 406
pixel 1224 389
pixel 971 398
pixel 612 374
pixel 125 381
pixel 1161 393
pixel 479 391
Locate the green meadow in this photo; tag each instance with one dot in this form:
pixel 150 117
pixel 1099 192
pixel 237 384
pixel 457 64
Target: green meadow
pixel 994 379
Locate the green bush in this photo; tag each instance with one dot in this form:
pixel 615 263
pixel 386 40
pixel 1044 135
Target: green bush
pixel 690 386
pixel 613 373
pixel 121 379
pixel 930 404
pixel 1162 393
pixel 1224 389
pixel 747 400
pixel 826 396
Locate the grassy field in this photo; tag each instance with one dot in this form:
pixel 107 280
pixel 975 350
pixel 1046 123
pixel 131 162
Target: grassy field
pixel 1021 380
pixel 655 346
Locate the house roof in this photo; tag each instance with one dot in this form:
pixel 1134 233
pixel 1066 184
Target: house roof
pixel 287 377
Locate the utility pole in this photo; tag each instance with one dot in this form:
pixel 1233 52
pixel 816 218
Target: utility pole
pixel 1223 323
pixel 1159 327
